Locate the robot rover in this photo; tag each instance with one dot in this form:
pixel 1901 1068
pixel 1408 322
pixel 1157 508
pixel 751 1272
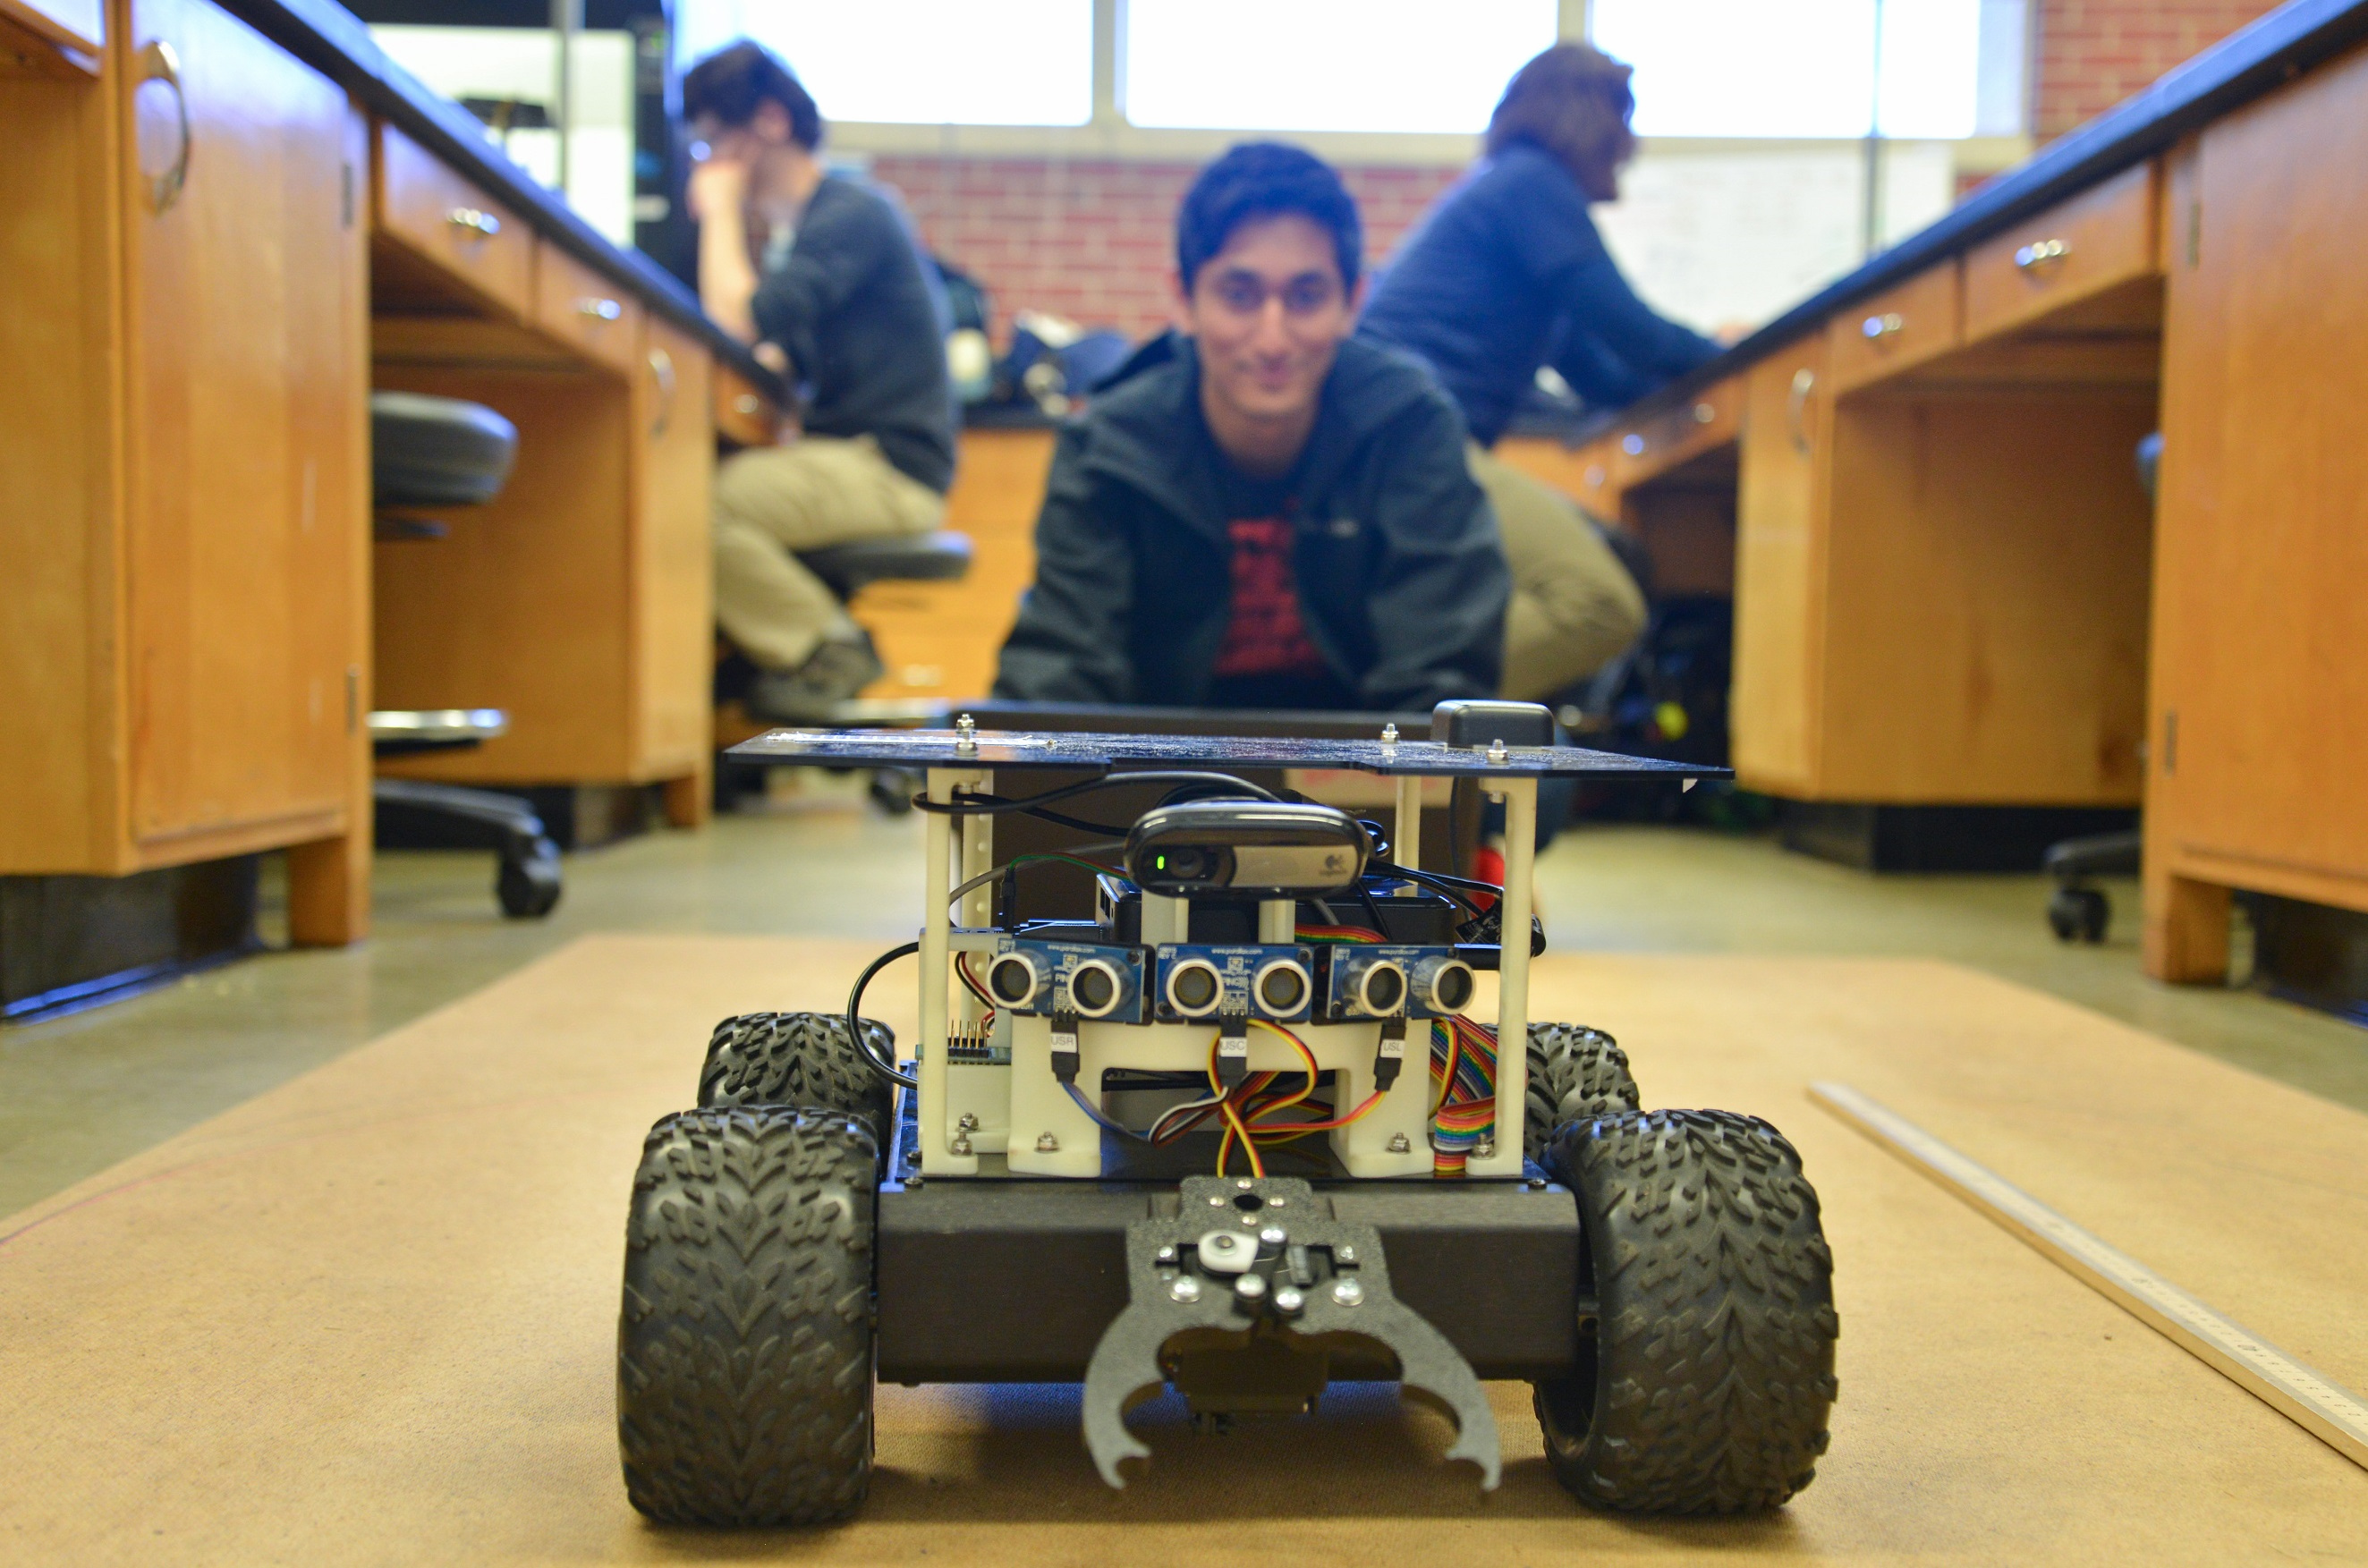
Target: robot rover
pixel 1231 1129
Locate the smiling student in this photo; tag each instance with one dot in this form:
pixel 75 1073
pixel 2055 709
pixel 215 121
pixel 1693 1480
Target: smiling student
pixel 1263 512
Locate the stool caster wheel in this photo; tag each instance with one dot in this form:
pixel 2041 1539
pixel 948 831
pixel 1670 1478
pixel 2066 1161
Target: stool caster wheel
pixel 528 882
pixel 2078 914
pixel 893 788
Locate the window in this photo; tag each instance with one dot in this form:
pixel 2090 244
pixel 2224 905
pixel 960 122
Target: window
pixel 916 61
pixel 1804 68
pixel 1404 65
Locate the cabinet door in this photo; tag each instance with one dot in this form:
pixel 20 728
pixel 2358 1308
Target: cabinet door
pixel 244 431
pixel 672 570
pixel 2260 704
pixel 1780 570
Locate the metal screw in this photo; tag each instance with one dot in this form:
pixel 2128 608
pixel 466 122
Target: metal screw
pixel 1216 1202
pixel 965 733
pixel 1242 1182
pixel 1496 751
pixel 1537 1183
pixel 1484 1150
pixel 1249 1219
pixel 1288 1300
pixel 1046 1143
pixel 1249 1287
pixel 1344 1255
pixel 1274 1202
pixel 1186 1288
pixel 1389 735
pixel 968 1121
pixel 961 1145
pixel 1398 1143
pixel 1348 1292
pixel 1167 1253
pixel 1273 1235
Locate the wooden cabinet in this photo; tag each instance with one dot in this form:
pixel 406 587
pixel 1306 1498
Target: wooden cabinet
pixel 77 25
pixel 2259 700
pixel 437 219
pixel 1898 329
pixel 672 570
pixel 190 510
pixel 1780 570
pixel 586 311
pixel 1940 594
pixel 2080 248
pixel 577 600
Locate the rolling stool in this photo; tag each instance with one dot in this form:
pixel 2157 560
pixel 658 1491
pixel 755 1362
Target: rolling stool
pixel 439 451
pixel 2077 912
pixel 846 570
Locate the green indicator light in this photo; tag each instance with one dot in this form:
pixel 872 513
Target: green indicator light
pixel 1159 863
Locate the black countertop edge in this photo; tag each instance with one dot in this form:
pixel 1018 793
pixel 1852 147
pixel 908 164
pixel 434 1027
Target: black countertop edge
pixel 334 41
pixel 2249 63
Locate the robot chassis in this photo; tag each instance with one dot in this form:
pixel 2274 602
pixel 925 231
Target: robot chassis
pixel 1255 974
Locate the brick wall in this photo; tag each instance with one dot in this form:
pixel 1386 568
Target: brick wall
pixel 1095 241
pixel 2094 54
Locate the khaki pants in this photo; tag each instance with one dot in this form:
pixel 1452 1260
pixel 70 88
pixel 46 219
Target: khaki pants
pixel 771 502
pixel 1573 606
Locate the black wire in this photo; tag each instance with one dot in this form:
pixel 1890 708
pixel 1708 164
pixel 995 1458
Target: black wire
pixel 1451 886
pixel 987 806
pixel 855 1029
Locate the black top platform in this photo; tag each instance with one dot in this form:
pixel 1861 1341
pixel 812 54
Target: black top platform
pixel 1006 749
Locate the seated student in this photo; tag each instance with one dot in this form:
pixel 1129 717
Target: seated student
pixel 1262 513
pixel 824 268
pixel 1506 273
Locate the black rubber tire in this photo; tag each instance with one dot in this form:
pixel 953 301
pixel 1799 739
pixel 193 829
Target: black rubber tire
pixel 528 885
pixel 799 1059
pixel 1707 1383
pixel 744 1351
pixel 1575 1072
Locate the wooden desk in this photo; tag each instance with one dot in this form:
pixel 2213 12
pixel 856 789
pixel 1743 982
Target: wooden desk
pixel 1948 586
pixel 219 225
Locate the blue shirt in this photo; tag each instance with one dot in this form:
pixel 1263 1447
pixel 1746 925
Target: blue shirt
pixel 1508 273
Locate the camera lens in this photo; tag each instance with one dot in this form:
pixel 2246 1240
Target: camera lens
pixel 1384 988
pixel 1193 988
pixel 1451 987
pixel 1093 990
pixel 1012 980
pixel 1281 989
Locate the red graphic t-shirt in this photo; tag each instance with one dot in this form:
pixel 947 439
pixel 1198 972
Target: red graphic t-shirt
pixel 1267 634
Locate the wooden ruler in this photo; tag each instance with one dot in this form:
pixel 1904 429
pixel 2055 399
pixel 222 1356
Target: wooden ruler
pixel 2329 1411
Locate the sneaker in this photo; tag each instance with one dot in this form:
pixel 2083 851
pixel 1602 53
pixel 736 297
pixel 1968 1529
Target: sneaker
pixel 833 673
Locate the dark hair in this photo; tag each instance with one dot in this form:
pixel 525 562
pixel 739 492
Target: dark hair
pixel 1573 102
pixel 1260 179
pixel 731 82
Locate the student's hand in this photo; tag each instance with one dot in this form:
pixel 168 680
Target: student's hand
pixel 1729 333
pixel 717 186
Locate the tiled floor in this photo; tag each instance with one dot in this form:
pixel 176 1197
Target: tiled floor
pixel 78 1094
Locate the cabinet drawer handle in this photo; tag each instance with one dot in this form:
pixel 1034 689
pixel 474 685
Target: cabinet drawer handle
pixel 661 372
pixel 1704 413
pixel 475 221
pixel 1797 407
pixel 1632 444
pixel 1887 324
pixel 158 63
pixel 748 403
pixel 2041 256
pixel 599 309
